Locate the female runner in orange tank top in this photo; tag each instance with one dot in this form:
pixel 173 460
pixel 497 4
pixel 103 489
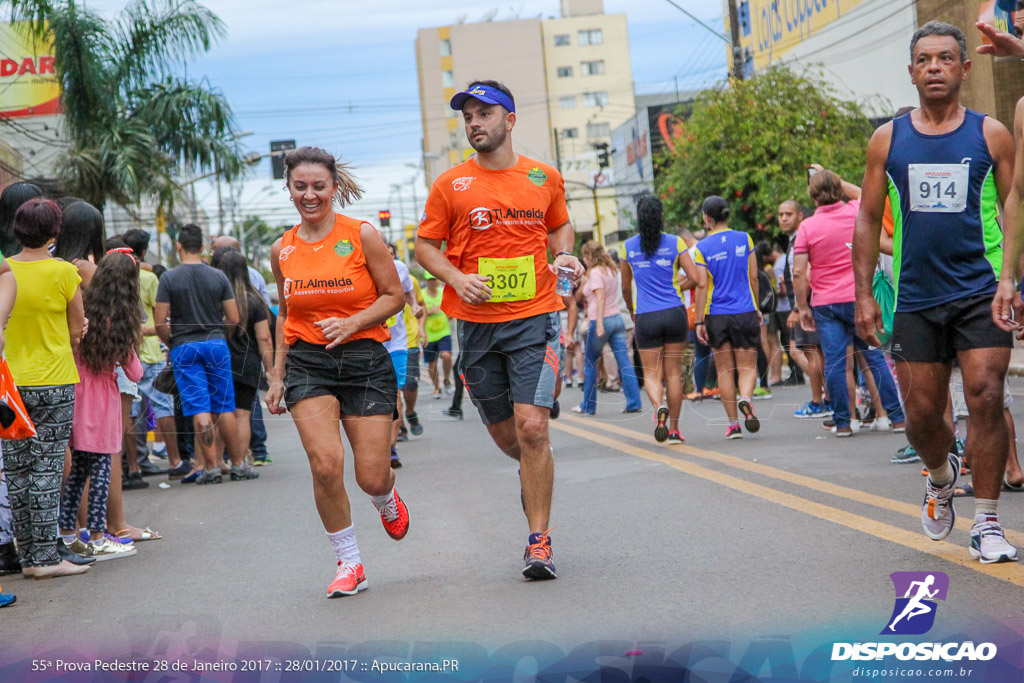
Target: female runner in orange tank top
pixel 337 285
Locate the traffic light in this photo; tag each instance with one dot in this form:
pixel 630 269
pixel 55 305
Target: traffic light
pixel 385 219
pixel 602 154
pixel 277 148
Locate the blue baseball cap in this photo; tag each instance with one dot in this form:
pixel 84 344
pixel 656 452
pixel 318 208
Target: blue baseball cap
pixel 485 94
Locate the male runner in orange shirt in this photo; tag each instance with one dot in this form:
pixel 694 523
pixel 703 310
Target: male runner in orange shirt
pixel 500 214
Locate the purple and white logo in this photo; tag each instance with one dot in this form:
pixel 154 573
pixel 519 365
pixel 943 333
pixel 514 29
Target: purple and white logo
pixel 917 594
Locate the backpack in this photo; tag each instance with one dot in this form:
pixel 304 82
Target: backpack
pixel 766 293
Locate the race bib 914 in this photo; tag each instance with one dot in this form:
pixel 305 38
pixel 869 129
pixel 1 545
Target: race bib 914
pixel 510 279
pixel 939 188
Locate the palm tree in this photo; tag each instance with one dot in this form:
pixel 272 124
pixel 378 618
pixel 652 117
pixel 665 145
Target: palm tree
pixel 132 121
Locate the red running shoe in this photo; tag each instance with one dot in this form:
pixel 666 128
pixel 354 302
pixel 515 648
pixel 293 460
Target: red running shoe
pixel 349 580
pixel 395 517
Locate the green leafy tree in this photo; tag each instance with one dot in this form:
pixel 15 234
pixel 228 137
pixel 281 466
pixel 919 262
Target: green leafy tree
pixel 752 143
pixel 133 123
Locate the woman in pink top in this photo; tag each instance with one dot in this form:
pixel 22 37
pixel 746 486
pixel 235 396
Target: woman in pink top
pixel 606 327
pixel 115 326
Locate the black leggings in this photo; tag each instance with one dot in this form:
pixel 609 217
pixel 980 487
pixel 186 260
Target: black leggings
pixel 94 468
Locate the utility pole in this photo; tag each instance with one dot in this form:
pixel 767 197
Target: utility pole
pixel 737 51
pixel 597 215
pixel 558 151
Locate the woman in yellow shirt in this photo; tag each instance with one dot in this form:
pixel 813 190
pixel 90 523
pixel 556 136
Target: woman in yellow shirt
pixel 46 323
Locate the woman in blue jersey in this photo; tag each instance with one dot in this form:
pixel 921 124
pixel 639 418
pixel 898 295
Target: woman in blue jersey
pixel 727 317
pixel 652 259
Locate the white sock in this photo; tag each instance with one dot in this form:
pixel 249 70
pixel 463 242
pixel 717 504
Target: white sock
pixel 942 476
pixel 984 507
pixel 69 538
pixel 380 502
pixel 345 547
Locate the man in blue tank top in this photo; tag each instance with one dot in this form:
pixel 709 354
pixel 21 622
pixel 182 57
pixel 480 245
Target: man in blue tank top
pixel 946 170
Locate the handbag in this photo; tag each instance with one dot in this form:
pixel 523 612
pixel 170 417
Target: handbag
pixel 20 424
pixel 164 382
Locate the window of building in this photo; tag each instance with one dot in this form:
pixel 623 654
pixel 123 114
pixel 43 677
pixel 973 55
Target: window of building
pixel 592 68
pixel 446 48
pixel 567 102
pixel 595 99
pixel 591 37
pixel 562 39
pixel 570 132
pixel 565 72
pixel 448 79
pixel 599 130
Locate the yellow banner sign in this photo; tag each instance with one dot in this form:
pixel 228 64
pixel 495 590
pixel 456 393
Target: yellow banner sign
pixel 28 82
pixel 771 28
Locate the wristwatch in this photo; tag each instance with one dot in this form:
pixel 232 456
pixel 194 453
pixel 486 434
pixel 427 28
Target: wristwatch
pixel 567 253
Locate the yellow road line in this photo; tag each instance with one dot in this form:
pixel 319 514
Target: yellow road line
pixel 855 495
pixel 1011 572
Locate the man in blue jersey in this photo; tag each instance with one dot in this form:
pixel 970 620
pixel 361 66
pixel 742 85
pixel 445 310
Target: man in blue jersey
pixel 946 171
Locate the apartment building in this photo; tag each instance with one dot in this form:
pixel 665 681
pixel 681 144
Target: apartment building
pixel 572 81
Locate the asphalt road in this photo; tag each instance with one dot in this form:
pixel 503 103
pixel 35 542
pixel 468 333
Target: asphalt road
pixel 788 532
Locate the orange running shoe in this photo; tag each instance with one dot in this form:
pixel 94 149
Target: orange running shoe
pixel 395 517
pixel 349 580
pixel 539 565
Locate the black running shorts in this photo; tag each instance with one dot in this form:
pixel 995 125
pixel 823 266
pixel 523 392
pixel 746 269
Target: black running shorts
pixel 359 374
pixel 739 330
pixel 658 328
pixel 934 335
pixel 804 339
pixel 509 362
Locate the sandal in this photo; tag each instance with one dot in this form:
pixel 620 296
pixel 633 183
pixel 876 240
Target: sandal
pixel 146 534
pixel 1013 488
pixel 964 491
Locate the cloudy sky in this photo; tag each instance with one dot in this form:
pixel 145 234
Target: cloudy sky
pixel 342 75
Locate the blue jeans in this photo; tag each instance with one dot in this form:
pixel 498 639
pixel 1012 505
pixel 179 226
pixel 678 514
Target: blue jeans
pixel 701 363
pixel 614 334
pixel 258 440
pixel 836 330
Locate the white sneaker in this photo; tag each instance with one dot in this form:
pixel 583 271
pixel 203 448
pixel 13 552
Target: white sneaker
pixel 854 428
pixel 881 424
pixel 105 549
pixel 937 513
pixel 988 543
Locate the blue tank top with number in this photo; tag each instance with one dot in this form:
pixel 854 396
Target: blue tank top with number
pixel 947 243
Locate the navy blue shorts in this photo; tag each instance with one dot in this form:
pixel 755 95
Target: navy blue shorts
pixel 433 349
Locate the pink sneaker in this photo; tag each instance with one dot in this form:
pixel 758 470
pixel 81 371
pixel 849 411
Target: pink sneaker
pixel 349 580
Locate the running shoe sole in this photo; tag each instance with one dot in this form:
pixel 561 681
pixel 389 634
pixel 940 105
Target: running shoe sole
pixel 750 422
pixel 538 571
pixel 1003 557
pixel 337 593
pixel 661 430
